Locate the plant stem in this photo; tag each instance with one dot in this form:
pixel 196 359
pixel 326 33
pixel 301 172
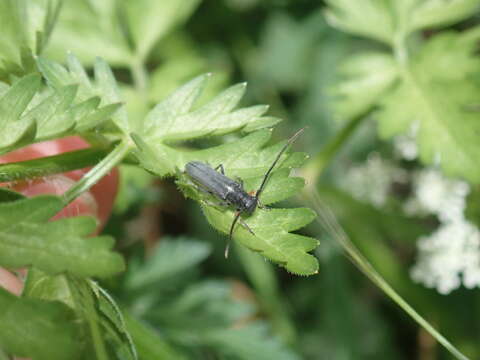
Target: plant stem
pixel 139 75
pixel 327 219
pixel 97 172
pixel 55 164
pixel 315 166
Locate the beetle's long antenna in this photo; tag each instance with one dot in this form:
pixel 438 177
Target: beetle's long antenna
pixel 227 247
pixel 267 174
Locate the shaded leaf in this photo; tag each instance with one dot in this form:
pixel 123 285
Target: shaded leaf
pixel 57 246
pixel 38 329
pixel 14 126
pixel 369 18
pixel 169 258
pixel 150 20
pixel 433 98
pixel 367 77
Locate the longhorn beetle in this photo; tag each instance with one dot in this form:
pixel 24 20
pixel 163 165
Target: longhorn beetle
pixel 231 192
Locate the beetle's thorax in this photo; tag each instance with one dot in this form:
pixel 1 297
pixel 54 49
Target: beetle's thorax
pixel 243 201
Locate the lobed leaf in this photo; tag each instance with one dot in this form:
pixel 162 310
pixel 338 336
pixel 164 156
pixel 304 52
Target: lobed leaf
pixel 113 323
pixel 272 235
pixel 434 98
pixel 26 28
pixel 173 119
pixel 436 13
pixel 36 329
pixel 103 91
pixel 150 20
pixel 57 246
pixel 169 258
pixel 367 77
pixel 14 102
pixel 388 20
pixel 369 18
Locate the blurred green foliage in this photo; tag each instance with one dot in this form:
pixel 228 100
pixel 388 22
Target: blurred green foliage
pixel 317 64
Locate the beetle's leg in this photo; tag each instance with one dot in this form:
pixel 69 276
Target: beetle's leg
pixel 261 206
pixel 245 225
pixel 222 170
pixel 235 219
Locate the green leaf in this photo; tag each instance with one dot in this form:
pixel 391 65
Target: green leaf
pixel 14 39
pixel 90 29
pixel 389 20
pixel 173 119
pixel 149 343
pixel 14 126
pixel 369 18
pixel 36 329
pixel 7 195
pixel 150 20
pixel 132 29
pixel 368 77
pixel 245 158
pixel 436 13
pixel 104 87
pixel 113 323
pixel 57 246
pixel 272 236
pixel 287 50
pixel 170 258
pixel 434 97
pixel 249 342
pixel 26 27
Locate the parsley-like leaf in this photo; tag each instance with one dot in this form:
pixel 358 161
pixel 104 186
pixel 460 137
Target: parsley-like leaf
pixel 435 96
pixel 56 246
pixel 35 328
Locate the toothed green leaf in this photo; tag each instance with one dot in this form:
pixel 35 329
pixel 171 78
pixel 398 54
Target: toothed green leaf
pixel 104 88
pixel 37 329
pixel 26 28
pixel 272 237
pixel 14 126
pixel 435 13
pixel 57 246
pixel 150 20
pixel 369 18
pixel 433 98
pixel 247 160
pixel 367 77
pixel 174 119
pixel 385 20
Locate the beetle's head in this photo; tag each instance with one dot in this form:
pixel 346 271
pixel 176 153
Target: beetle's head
pixel 251 204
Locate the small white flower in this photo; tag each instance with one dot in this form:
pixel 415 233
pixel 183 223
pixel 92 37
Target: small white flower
pixel 449 257
pixel 439 195
pixel 371 181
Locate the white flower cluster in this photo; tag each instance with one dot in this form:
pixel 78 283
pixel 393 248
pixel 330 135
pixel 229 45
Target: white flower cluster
pixel 451 255
pixel 371 181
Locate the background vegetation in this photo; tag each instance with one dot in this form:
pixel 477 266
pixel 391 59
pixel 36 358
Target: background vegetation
pixel 389 92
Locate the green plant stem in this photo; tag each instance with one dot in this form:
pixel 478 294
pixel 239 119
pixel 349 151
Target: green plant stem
pixel 98 171
pixel 55 164
pixel 140 76
pixel 315 166
pixel 328 221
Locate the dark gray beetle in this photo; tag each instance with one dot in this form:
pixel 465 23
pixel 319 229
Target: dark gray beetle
pixel 231 192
